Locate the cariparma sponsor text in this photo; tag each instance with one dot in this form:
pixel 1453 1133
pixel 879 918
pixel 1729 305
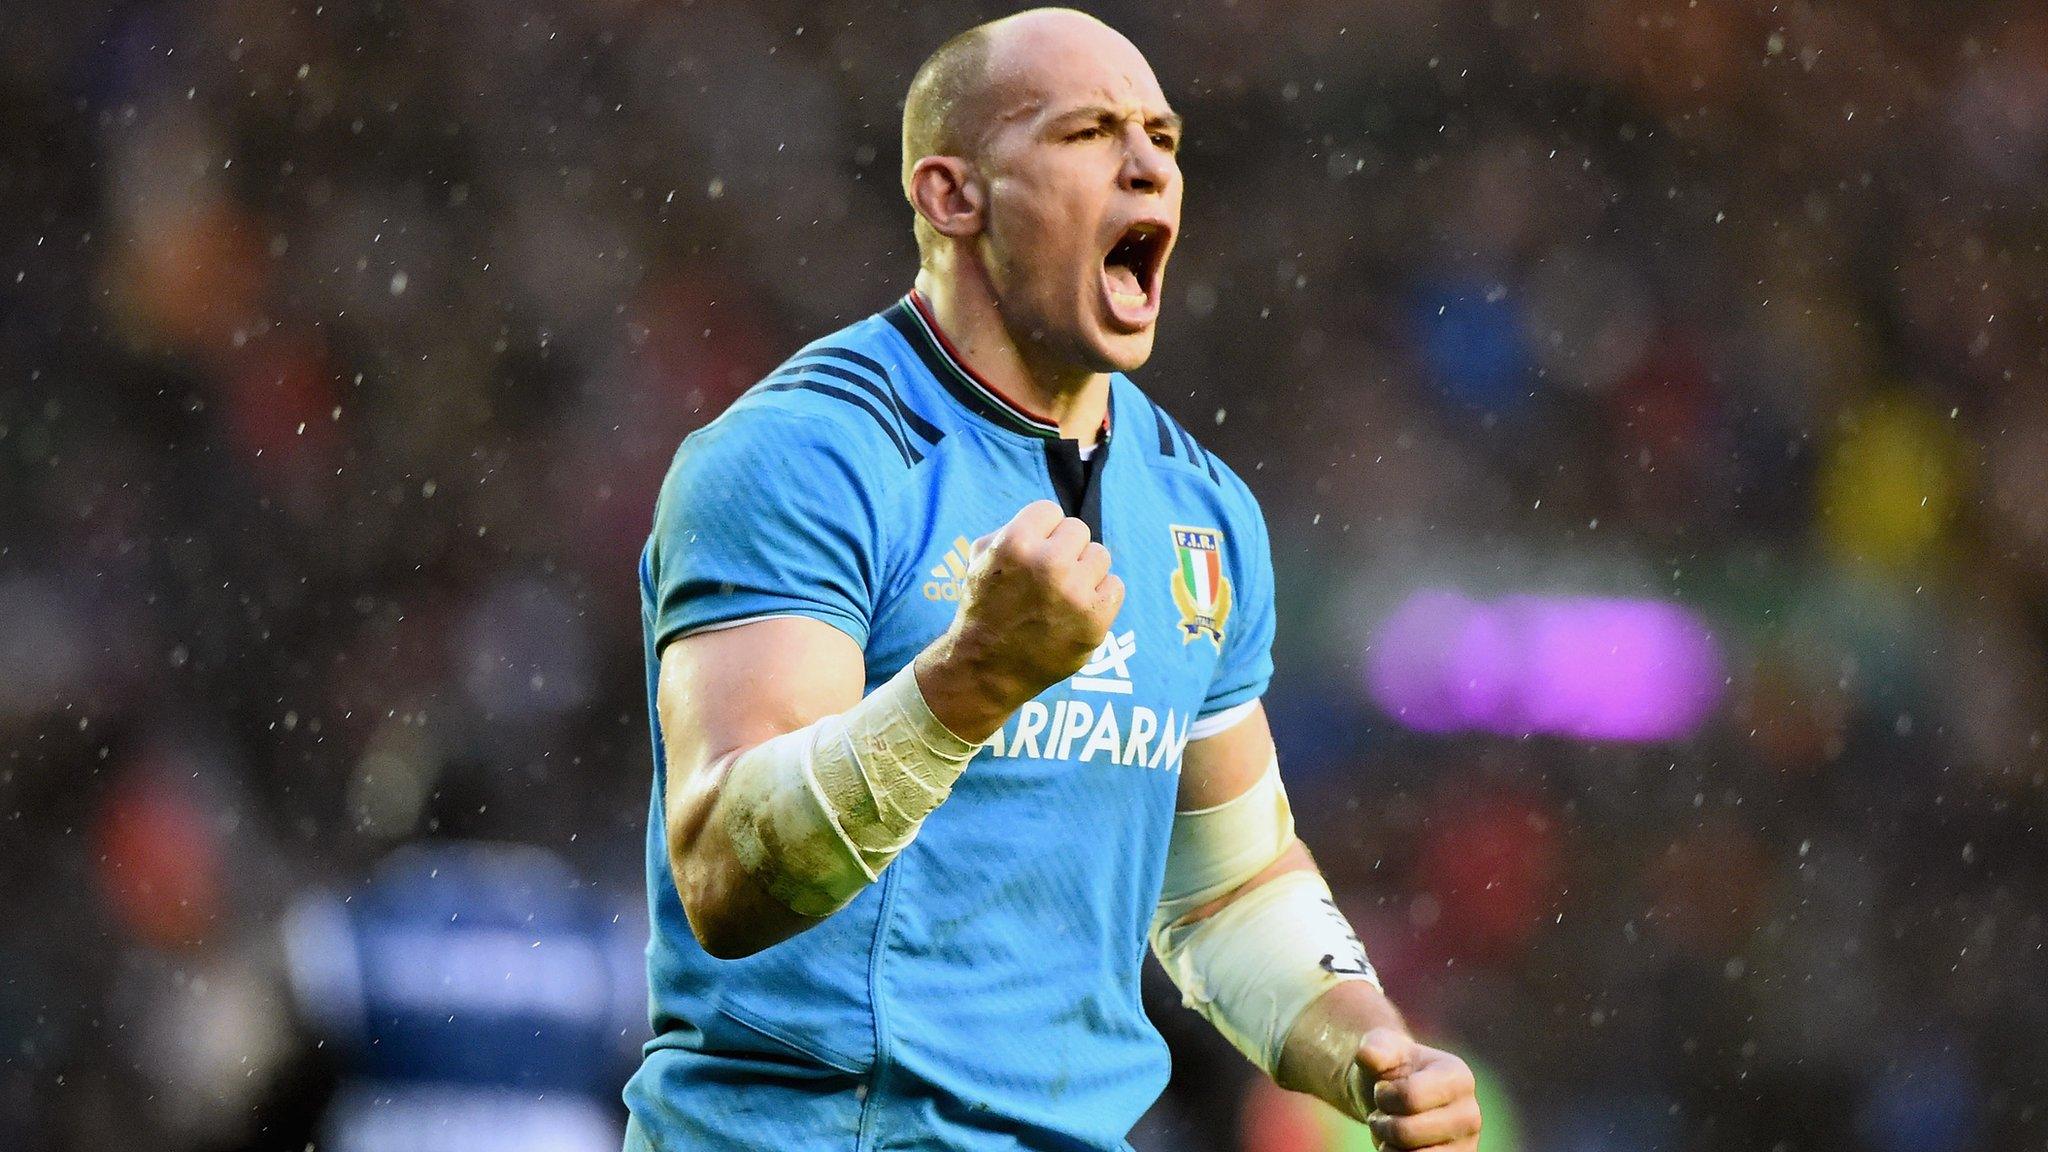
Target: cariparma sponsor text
pixel 1076 730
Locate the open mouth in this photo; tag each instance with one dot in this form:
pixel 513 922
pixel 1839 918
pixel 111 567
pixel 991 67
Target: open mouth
pixel 1130 273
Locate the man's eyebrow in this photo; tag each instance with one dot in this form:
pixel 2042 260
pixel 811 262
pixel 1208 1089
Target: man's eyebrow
pixel 1169 120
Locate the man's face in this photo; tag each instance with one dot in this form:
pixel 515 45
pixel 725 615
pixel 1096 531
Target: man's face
pixel 1083 198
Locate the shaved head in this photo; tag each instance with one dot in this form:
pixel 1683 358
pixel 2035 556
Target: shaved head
pixel 958 91
pixel 943 98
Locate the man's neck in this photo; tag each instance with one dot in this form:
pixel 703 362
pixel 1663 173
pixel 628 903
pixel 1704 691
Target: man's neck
pixel 968 315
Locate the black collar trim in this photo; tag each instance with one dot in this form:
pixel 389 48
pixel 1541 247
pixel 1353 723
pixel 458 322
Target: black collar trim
pixel 908 316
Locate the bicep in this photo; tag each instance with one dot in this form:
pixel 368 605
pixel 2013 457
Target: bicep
pixel 725 690
pixel 1218 769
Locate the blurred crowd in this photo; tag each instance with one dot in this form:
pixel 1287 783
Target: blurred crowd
pixel 343 346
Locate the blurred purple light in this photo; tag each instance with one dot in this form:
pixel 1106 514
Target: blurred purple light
pixel 1584 667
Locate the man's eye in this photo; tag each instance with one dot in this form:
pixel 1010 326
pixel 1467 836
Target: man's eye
pixel 1086 134
pixel 1165 141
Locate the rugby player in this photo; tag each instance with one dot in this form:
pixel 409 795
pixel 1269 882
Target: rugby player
pixel 955 644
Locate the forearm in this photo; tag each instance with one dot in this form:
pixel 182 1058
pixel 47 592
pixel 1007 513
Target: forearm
pixel 776 837
pixel 1247 929
pixel 730 911
pixel 968 686
pixel 1320 1057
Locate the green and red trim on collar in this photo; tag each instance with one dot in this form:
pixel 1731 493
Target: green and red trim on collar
pixel 912 316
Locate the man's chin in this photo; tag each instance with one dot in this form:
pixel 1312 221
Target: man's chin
pixel 1115 351
pixel 1088 342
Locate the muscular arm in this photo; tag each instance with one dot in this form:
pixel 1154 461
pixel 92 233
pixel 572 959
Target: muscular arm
pixel 1220 769
pixel 720 694
pixel 1039 597
pixel 1419 1097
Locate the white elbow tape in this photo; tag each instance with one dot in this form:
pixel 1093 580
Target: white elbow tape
pixel 1214 850
pixel 817 813
pixel 1253 966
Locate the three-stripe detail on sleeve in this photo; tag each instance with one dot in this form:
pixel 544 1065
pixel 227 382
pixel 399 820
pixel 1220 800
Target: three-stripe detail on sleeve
pixel 1172 434
pixel 862 381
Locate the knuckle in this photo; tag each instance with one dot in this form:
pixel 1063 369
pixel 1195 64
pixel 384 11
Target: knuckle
pixel 1035 519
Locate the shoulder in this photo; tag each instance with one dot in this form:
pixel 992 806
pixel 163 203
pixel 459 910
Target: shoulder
pixel 1168 445
pixel 774 460
pixel 845 383
pixel 832 405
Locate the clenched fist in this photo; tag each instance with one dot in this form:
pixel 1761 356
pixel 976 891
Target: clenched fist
pixel 1039 598
pixel 1421 1097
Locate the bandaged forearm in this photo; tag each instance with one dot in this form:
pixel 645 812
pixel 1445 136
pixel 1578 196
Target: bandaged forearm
pixel 1254 965
pixel 816 814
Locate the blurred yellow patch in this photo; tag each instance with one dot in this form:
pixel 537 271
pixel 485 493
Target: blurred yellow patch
pixel 1889 485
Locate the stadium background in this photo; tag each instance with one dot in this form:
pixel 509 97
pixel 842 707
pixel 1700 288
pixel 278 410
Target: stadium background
pixel 1648 398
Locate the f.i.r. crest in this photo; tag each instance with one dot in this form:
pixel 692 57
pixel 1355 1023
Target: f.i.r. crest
pixel 1200 589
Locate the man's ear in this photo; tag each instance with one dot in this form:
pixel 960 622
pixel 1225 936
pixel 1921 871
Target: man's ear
pixel 944 192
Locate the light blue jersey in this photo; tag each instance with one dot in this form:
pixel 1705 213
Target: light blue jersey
pixel 983 994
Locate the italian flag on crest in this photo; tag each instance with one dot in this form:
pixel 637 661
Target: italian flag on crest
pixel 1200 589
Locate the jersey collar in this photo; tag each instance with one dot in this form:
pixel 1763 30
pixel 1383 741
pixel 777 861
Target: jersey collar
pixel 912 316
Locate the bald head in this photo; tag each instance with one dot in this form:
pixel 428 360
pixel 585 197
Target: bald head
pixel 988 73
pixel 943 98
pixel 950 97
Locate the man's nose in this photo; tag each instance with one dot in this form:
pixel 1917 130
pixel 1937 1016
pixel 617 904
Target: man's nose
pixel 1147 166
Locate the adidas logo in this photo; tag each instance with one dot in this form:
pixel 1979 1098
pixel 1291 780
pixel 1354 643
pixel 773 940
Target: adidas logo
pixel 949 575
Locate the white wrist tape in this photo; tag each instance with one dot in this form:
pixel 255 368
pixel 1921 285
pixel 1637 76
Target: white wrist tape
pixel 817 813
pixel 1253 966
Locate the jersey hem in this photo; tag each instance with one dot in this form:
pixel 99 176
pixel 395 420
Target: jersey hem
pixel 669 633
pixel 1217 722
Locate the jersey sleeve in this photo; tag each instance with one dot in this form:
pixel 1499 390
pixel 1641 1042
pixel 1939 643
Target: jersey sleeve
pixel 765 512
pixel 1246 663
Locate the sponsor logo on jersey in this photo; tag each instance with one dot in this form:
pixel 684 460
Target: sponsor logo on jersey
pixel 1083 731
pixel 1200 589
pixel 949 575
pixel 1109 666
pixel 1091 732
